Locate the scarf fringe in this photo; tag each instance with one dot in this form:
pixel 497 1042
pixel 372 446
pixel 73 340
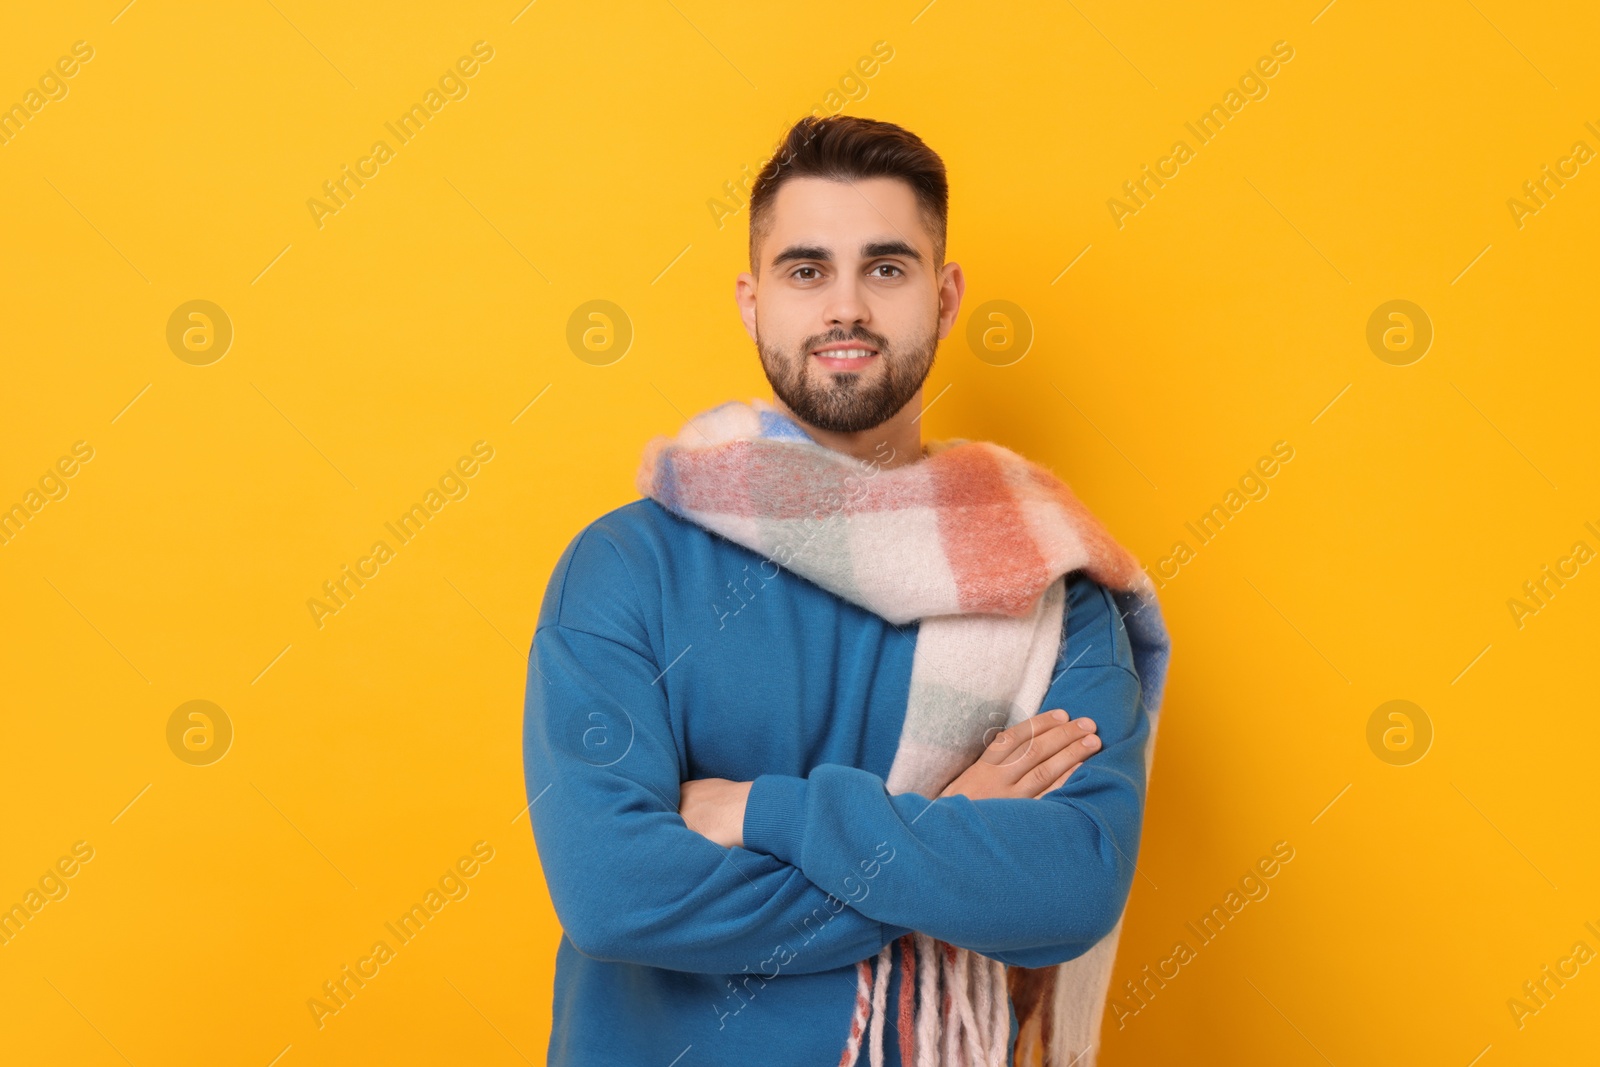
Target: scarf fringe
pixel 908 1009
pixel 858 1020
pixel 968 989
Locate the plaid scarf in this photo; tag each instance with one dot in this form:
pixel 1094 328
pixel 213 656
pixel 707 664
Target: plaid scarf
pixel 976 541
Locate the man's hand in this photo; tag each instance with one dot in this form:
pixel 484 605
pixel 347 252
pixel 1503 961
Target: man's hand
pixel 1032 758
pixel 714 808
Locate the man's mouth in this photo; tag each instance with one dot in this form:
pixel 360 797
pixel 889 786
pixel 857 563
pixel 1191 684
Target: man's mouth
pixel 845 357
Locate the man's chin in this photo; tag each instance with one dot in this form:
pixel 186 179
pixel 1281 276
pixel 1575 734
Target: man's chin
pixel 854 418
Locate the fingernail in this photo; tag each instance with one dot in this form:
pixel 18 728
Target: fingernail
pixel 1091 742
pixel 1087 724
pixel 1058 714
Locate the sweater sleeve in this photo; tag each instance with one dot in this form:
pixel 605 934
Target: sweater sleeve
pixel 1029 881
pixel 629 880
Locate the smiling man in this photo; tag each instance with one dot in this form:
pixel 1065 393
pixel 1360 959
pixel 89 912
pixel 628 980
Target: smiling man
pixel 836 743
pixel 850 334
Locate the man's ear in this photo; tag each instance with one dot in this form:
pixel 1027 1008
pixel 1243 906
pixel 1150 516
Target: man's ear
pixel 952 285
pixel 744 294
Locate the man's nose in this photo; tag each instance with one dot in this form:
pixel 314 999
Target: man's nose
pixel 847 305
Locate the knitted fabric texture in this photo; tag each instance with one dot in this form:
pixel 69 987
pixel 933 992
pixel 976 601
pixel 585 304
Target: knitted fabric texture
pixel 975 541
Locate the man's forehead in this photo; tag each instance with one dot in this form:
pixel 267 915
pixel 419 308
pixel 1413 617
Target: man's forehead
pixel 835 219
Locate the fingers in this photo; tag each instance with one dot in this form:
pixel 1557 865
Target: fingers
pixel 1012 735
pixel 1029 758
pixel 1058 783
pixel 1050 773
pixel 1008 742
pixel 1042 747
pixel 1025 745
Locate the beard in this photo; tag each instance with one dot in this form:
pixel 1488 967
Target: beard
pixel 849 401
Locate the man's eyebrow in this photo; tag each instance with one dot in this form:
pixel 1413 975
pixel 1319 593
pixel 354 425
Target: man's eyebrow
pixel 890 248
pixel 872 250
pixel 795 252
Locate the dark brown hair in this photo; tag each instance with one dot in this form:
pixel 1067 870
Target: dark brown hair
pixel 848 148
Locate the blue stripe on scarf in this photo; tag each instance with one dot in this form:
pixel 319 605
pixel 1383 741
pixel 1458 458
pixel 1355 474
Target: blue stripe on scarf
pixel 667 493
pixel 776 424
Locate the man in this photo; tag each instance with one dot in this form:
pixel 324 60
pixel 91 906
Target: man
pixel 709 738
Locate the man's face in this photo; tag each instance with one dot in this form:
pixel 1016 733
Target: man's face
pixel 849 308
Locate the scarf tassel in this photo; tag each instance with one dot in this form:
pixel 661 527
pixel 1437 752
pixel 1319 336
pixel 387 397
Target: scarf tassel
pixel 953 1010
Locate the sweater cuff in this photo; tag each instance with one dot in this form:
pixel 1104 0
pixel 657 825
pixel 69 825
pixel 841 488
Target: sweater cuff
pixel 774 816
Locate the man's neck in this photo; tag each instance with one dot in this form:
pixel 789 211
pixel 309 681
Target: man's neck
pixel 899 438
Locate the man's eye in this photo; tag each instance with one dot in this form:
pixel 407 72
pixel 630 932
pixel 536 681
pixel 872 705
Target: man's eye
pixel 889 266
pixel 799 269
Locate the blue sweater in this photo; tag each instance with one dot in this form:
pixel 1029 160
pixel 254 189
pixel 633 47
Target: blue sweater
pixel 665 652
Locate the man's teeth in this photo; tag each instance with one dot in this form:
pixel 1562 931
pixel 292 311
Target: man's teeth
pixel 848 353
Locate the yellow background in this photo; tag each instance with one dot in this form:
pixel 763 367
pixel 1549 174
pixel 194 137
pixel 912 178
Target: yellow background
pixel 429 312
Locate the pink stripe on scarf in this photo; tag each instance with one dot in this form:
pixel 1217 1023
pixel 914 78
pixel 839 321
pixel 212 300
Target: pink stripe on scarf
pixel 995 570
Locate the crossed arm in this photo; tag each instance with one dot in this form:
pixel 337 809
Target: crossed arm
pixel 1030 759
pixel 828 868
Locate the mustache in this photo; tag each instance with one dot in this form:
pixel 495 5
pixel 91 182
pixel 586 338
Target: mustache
pixel 836 337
